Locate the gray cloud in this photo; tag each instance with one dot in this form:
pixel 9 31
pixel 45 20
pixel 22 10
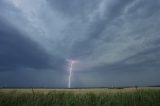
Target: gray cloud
pixel 112 10
pixel 125 36
pixel 19 52
pixel 107 38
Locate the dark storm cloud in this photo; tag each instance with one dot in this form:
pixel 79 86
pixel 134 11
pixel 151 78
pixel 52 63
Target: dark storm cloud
pixel 110 39
pixel 19 52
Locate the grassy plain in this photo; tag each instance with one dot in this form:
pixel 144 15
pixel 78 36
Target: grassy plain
pixel 144 96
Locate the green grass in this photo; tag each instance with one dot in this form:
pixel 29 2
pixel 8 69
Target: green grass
pixel 140 97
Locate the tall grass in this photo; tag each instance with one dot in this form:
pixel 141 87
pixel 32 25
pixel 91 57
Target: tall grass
pixel 136 98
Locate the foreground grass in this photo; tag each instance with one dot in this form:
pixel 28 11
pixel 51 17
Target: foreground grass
pixel 138 97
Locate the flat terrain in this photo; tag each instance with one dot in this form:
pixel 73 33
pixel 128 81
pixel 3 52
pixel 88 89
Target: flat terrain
pixel 76 91
pixel 142 96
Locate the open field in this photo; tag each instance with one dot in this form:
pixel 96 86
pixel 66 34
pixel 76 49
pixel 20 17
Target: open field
pixel 144 96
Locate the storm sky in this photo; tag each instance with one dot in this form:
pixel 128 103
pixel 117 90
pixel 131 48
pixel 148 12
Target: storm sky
pixel 115 42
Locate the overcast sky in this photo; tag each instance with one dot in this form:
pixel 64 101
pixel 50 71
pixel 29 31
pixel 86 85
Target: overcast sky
pixel 115 42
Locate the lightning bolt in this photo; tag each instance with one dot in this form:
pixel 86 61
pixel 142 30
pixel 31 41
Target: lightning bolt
pixel 70 72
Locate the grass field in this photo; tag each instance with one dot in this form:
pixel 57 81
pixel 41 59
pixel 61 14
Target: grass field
pixel 149 96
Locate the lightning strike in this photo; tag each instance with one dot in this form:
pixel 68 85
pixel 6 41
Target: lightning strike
pixel 71 63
